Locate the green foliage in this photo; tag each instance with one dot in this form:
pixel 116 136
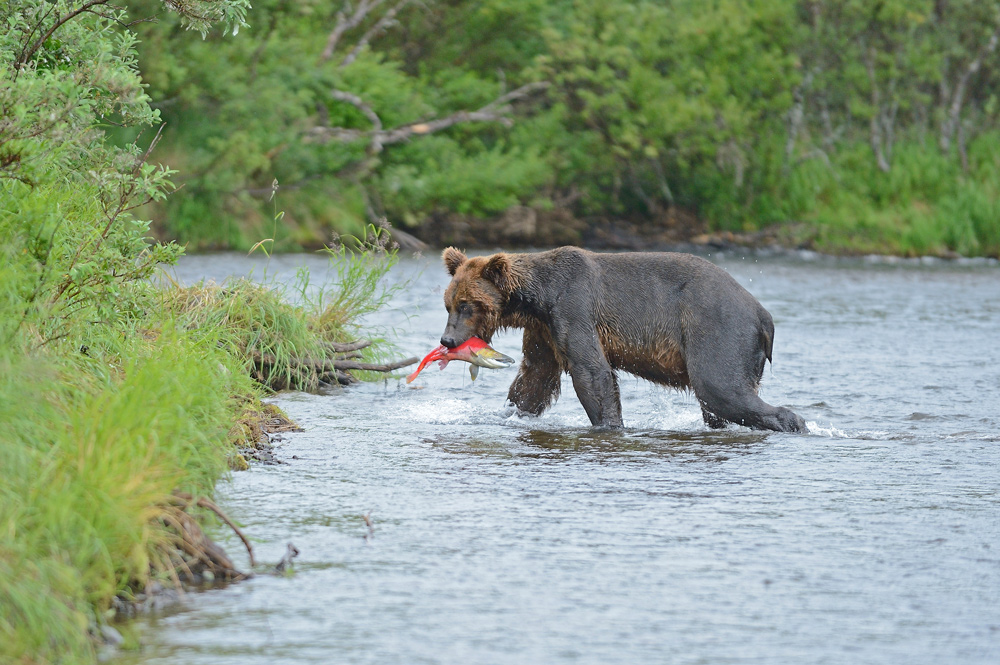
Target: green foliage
pixel 663 102
pixel 231 135
pixel 927 204
pixel 90 458
pixel 109 406
pixel 739 110
pixel 436 176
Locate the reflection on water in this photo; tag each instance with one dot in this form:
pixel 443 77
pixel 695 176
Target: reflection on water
pixel 499 539
pixel 607 447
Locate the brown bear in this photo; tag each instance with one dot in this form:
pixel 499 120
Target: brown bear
pixel 674 319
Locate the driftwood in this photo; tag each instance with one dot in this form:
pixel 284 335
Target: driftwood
pixel 349 346
pixel 345 365
pixel 331 369
pixel 190 551
pixel 286 561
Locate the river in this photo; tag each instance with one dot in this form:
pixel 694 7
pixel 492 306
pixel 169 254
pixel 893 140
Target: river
pixel 498 539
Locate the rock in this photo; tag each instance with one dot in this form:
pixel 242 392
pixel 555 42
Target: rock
pixel 111 636
pixel 518 223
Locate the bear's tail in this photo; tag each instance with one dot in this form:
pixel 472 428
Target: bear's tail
pixel 767 342
pixel 766 345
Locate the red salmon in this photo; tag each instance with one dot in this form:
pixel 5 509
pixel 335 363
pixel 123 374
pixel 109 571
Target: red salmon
pixel 475 351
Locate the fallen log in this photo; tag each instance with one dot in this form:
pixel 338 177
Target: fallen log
pixel 373 367
pixel 344 347
pixel 336 368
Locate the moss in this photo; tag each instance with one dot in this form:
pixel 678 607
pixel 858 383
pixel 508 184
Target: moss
pixel 237 462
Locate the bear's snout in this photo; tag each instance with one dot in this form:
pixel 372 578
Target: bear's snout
pixel 449 341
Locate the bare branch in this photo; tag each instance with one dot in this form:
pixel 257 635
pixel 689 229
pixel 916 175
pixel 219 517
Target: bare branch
pixel 210 505
pixel 145 156
pixel 668 195
pixel 27 39
pixel 346 347
pixel 796 117
pixel 114 19
pixel 332 364
pixel 344 365
pixel 496 111
pixel 951 122
pixel 359 104
pixel 875 125
pixel 345 23
pixel 383 24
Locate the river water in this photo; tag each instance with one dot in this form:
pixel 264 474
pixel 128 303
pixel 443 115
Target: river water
pixel 497 539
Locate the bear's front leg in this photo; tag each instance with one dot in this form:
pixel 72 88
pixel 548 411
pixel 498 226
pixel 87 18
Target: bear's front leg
pixel 597 389
pixel 536 386
pixel 593 379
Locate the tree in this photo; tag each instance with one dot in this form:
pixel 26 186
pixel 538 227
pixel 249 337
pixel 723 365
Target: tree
pixel 67 71
pixel 317 96
pixel 668 91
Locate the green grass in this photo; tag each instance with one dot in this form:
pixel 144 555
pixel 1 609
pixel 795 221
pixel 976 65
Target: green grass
pixel 100 425
pixel 286 323
pixel 927 204
pixel 89 464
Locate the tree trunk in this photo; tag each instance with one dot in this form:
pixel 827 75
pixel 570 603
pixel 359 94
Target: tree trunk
pixel 796 115
pixel 950 123
pixel 877 113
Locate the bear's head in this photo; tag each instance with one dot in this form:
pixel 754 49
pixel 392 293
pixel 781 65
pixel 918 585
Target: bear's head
pixel 480 288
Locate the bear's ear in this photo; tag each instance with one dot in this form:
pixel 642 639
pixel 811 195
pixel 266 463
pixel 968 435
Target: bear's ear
pixel 452 259
pixel 499 270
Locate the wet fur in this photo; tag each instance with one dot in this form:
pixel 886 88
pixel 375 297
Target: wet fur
pixel 673 319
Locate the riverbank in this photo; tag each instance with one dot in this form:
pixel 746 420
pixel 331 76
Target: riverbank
pixel 524 227
pixel 116 434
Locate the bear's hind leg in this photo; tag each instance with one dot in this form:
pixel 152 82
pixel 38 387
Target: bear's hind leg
pixel 724 374
pixel 742 406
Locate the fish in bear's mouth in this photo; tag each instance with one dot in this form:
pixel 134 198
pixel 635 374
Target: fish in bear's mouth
pixel 475 351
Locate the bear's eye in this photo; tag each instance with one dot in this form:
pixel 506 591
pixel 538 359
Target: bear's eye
pixel 465 309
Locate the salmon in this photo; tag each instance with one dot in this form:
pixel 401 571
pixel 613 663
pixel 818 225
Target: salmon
pixel 476 352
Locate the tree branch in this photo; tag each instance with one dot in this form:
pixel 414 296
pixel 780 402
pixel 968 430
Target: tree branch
pixel 345 23
pixel 496 111
pixel 951 121
pixel 359 104
pixel 875 125
pixel 383 24
pixel 26 55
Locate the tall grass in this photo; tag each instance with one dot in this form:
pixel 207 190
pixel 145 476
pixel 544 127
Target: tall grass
pixel 273 326
pixel 89 463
